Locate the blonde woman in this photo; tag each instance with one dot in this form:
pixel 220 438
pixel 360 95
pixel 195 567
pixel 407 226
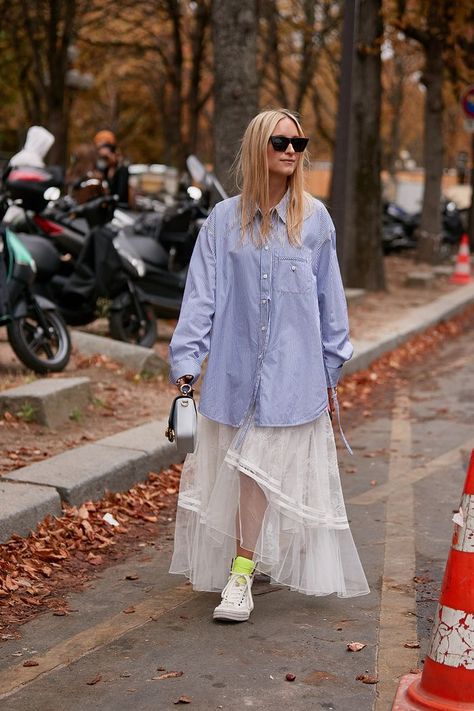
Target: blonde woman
pixel 264 301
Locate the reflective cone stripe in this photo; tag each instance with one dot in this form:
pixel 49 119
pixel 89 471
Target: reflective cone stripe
pixel 447 681
pixel 463 538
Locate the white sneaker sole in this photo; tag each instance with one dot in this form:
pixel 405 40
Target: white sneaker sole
pixel 232 615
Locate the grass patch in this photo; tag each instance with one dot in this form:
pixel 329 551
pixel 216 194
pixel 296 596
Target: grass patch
pixel 27 412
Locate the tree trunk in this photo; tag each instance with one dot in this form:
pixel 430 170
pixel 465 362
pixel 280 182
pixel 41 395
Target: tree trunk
pixel 430 227
pixel 341 184
pixel 365 268
pixel 394 96
pixel 234 28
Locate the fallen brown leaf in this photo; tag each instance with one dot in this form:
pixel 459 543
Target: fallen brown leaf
pixel 132 576
pixel 290 677
pixel 168 675
pixel 129 610
pixel 31 663
pixel 183 700
pixel 95 680
pixel 412 645
pixel 367 679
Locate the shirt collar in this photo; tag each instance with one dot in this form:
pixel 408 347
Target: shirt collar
pixel 281 208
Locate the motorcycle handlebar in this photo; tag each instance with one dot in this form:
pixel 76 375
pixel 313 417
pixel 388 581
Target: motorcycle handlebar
pixel 90 205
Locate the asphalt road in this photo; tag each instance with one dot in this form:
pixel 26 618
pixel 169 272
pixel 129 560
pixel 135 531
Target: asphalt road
pixel 401 488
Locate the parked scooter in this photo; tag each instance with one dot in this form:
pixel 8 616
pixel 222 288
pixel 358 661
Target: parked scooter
pixel 400 228
pixel 77 265
pixel 165 244
pixel 36 330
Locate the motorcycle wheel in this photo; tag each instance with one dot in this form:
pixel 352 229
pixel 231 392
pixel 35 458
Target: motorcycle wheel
pixel 124 325
pixel 43 352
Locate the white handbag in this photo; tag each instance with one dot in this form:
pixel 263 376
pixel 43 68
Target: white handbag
pixel 182 422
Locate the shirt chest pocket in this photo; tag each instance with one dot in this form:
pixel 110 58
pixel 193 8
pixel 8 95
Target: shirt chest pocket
pixel 292 275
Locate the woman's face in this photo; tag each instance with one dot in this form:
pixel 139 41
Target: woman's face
pixel 283 163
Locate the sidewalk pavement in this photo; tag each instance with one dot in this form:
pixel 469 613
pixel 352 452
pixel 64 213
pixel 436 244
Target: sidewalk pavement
pixel 119 461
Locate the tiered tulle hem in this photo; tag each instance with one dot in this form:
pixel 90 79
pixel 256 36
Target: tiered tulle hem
pixel 278 491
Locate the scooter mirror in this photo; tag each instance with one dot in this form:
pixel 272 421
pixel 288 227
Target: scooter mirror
pixel 52 194
pixel 196 169
pixel 194 192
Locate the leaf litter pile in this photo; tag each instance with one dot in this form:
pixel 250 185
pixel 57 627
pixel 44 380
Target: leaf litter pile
pixel 36 572
pixel 356 391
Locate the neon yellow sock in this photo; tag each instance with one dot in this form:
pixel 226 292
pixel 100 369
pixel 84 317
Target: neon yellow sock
pixel 243 565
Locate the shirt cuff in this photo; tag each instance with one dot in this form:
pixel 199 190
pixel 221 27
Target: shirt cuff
pixel 333 375
pixel 187 366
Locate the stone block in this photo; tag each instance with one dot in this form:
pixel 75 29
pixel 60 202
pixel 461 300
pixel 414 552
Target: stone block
pixel 132 357
pixel 442 270
pixel 49 401
pixel 419 280
pixel 148 438
pixel 353 296
pixel 23 506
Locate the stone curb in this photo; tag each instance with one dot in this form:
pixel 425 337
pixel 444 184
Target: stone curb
pixel 117 462
pixel 114 463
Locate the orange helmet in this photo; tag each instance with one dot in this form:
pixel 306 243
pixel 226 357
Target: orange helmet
pixel 105 137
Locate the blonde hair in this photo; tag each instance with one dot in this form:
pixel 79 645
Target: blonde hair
pixel 251 166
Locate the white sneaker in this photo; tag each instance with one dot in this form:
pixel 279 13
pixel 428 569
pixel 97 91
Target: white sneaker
pixel 237 601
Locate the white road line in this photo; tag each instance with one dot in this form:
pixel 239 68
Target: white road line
pixel 408 476
pixel 91 639
pixel 397 603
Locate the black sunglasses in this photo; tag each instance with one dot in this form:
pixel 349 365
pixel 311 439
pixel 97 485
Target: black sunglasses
pixel 281 143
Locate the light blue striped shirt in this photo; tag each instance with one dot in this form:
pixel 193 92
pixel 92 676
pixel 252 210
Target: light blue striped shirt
pixel 273 320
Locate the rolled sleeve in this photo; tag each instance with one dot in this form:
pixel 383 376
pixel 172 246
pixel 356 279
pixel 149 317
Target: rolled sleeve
pixel 191 338
pixel 337 348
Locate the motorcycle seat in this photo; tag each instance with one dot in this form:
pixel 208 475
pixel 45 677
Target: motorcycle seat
pixel 45 255
pixel 150 251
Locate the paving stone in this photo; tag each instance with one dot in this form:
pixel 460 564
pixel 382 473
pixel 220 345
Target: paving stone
pixel 133 357
pixel 419 279
pixel 49 401
pixel 23 506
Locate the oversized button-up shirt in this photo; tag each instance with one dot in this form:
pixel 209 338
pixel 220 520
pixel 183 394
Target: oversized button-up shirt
pixel 272 319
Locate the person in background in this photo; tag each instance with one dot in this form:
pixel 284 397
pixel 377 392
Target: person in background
pixel 109 163
pixel 82 167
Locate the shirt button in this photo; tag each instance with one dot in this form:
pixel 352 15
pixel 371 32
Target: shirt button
pixel 265 276
pixel 264 328
pixel 264 301
pixel 266 247
pixel 293 268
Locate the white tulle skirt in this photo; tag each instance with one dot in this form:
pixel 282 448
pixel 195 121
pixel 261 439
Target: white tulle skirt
pixel 278 491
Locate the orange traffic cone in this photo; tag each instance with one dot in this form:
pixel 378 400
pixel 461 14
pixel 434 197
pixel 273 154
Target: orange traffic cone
pixel 462 270
pixel 447 680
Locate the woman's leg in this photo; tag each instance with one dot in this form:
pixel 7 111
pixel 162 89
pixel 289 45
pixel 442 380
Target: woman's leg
pixel 249 517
